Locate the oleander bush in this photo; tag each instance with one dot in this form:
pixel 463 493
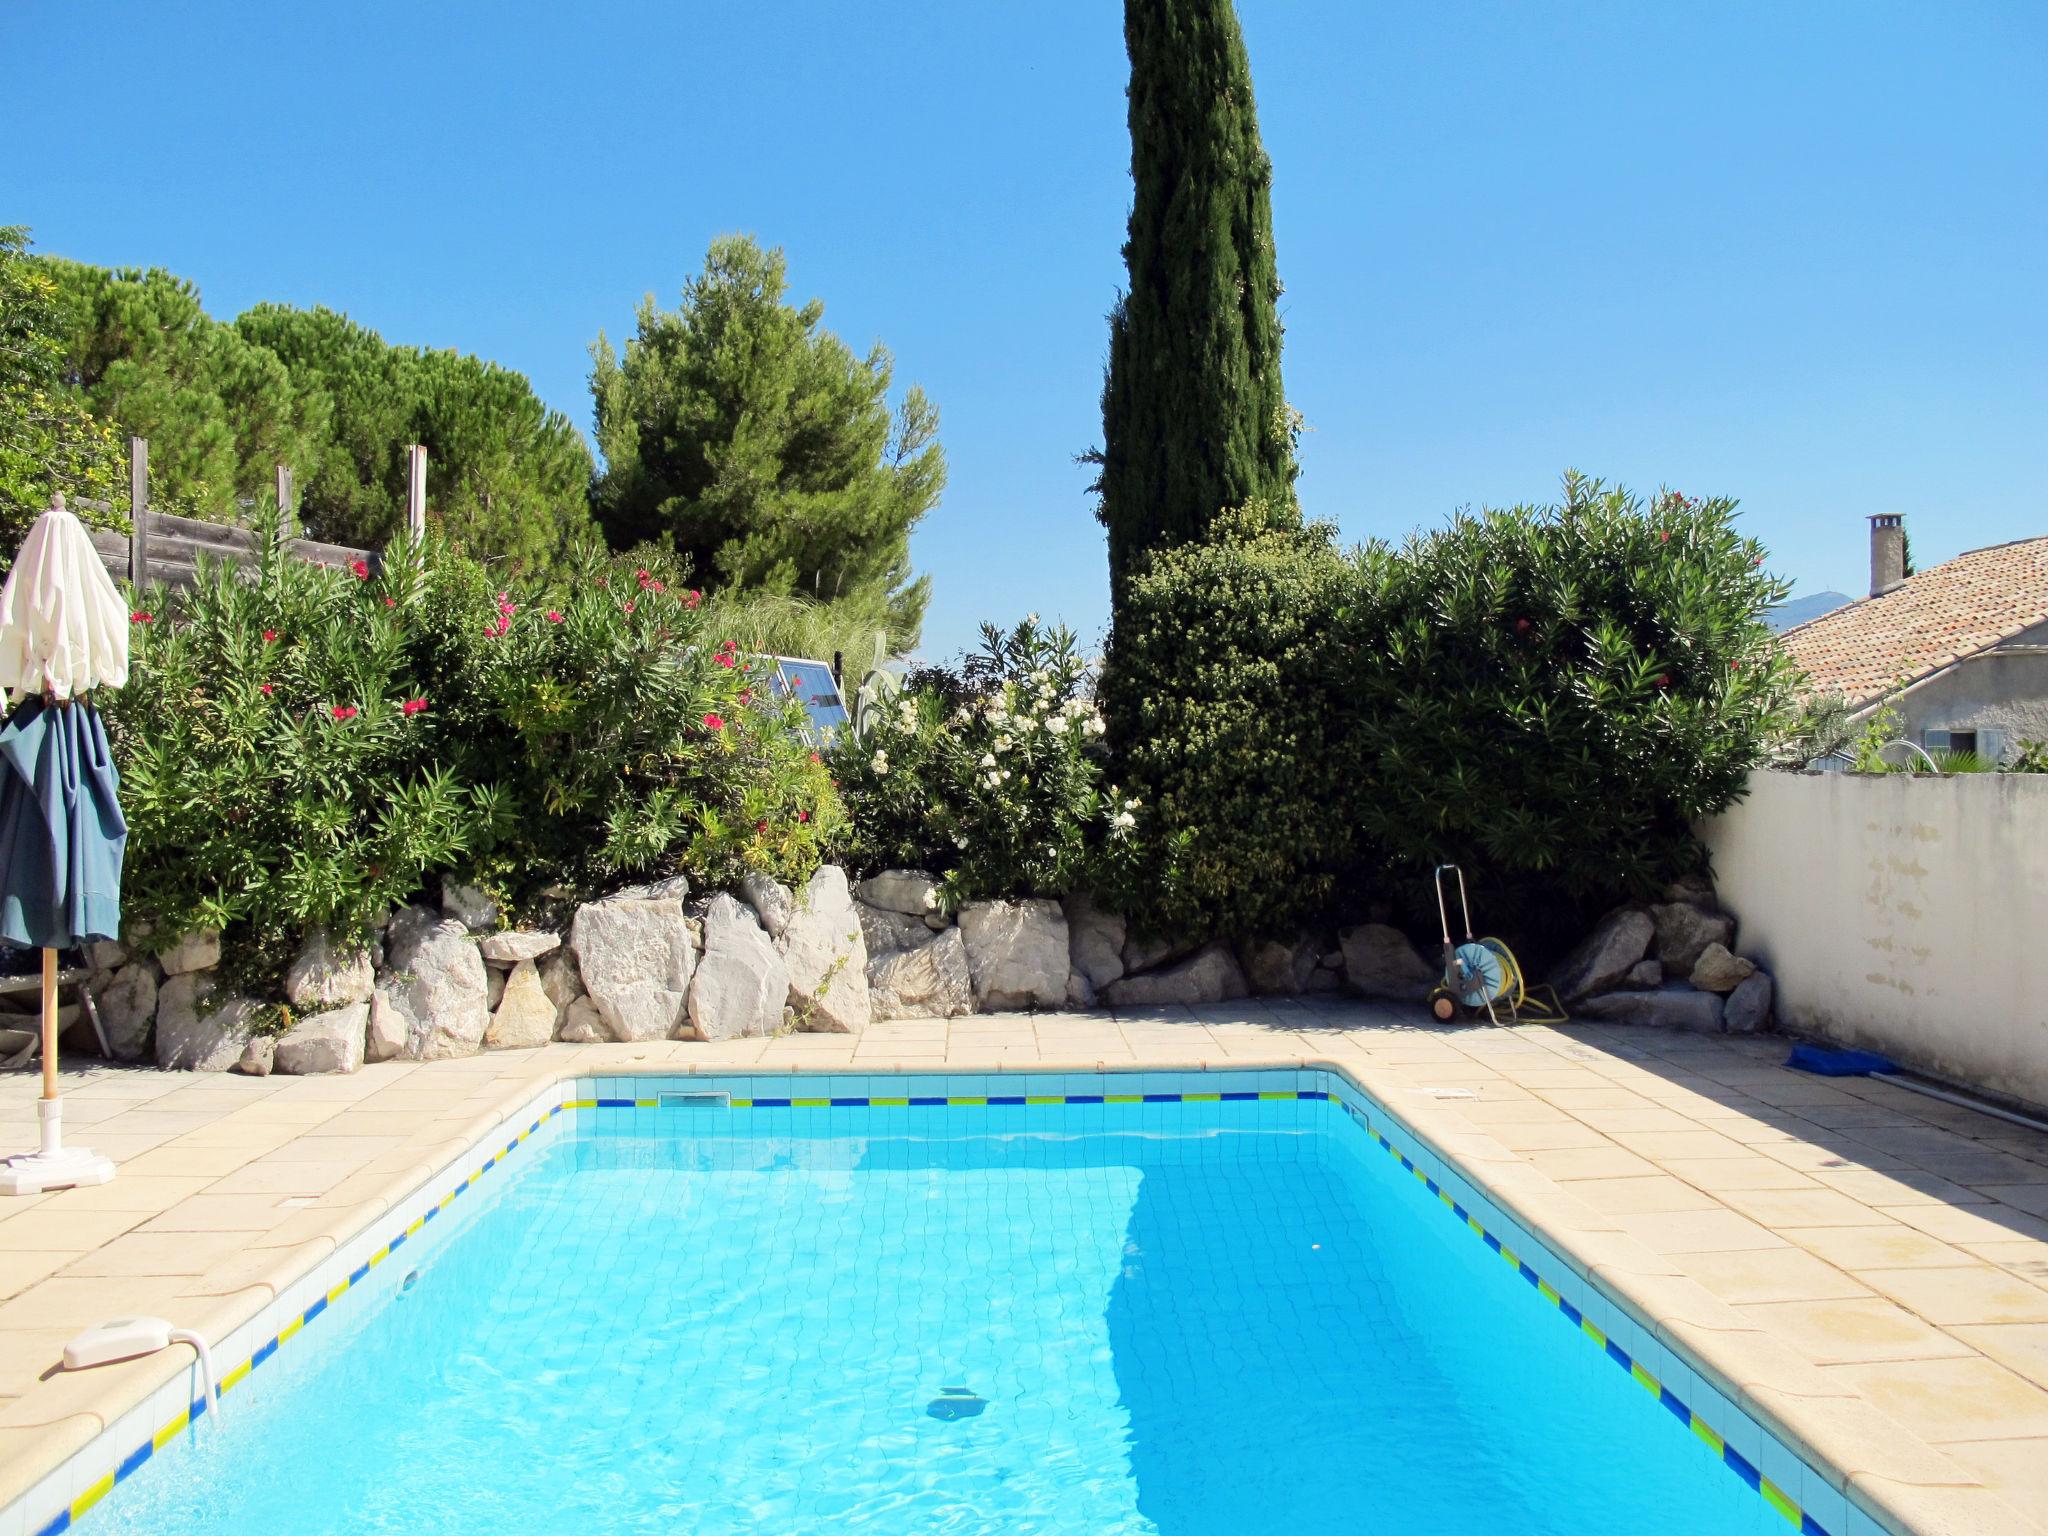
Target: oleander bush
pixel 305 748
pixel 993 777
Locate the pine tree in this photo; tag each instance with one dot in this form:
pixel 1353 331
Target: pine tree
pixel 763 447
pixel 1194 418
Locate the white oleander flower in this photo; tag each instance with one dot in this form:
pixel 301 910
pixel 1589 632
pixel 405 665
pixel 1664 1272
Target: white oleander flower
pixel 988 759
pixel 879 762
pixel 1123 821
pixel 931 899
pixel 959 841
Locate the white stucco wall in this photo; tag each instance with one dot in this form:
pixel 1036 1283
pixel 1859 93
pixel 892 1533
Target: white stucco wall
pixel 1901 914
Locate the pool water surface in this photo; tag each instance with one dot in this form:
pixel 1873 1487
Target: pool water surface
pixel 1210 1318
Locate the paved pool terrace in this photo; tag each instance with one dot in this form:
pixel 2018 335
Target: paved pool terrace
pixel 1866 1266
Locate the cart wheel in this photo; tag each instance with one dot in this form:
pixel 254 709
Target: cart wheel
pixel 1443 1007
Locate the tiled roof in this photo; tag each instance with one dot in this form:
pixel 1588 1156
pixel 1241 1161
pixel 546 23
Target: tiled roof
pixel 1950 610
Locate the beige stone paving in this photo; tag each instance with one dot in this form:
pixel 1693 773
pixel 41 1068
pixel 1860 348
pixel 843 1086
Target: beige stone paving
pixel 1865 1266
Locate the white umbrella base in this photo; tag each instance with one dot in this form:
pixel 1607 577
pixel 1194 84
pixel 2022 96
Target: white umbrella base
pixel 32 1173
pixel 56 1166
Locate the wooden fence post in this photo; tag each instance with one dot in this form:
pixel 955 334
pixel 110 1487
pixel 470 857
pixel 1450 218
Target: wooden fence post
pixel 286 524
pixel 138 510
pixel 416 490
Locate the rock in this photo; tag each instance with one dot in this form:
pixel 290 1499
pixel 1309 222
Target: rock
pixel 1017 953
pixel 200 1026
pixel 1748 1008
pixel 525 1016
pixel 1080 991
pixel 1143 954
pixel 107 954
pixel 1643 975
pixel 1695 890
pixel 494 985
pixel 514 945
pixel 1275 969
pixel 562 982
pixel 325 1042
pixel 438 981
pixel 773 902
pixel 469 907
pixel 257 1057
pixel 127 1004
pixel 674 888
pixel 886 931
pixel 1684 931
pixel 1672 1007
pixel 827 956
pixel 194 952
pixel 1324 979
pixel 1717 970
pixel 581 1023
pixel 318 977
pixel 636 956
pixel 1210 975
pixel 1606 955
pixel 937 920
pixel 1095 941
pixel 407 927
pixel 909 891
pixel 742 984
pixel 1380 962
pixel 931 980
pixel 388 1032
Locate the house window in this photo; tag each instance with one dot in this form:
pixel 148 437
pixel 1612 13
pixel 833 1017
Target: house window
pixel 1962 741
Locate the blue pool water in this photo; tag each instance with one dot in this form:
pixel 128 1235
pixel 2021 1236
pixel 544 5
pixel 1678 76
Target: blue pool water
pixel 1200 1319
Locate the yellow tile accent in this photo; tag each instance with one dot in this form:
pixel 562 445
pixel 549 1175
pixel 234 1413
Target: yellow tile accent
pixel 291 1328
pixel 1775 1497
pixel 810 1103
pixel 1276 1095
pixel 741 1103
pixel 1039 1098
pixel 171 1430
pixel 417 1223
pixel 965 1100
pixel 1124 1098
pixel 337 1293
pixel 1649 1383
pixel 1543 1289
pixel 1593 1332
pixel 1705 1431
pixel 92 1495
pixel 1201 1098
pixel 647 1103
pixel 1509 1257
pixel 905 1103
pixel 229 1381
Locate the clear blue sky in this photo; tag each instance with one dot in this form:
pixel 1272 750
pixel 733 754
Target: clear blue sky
pixel 1793 253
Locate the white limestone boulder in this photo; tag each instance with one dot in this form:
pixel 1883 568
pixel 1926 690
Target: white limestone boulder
pixel 198 951
pixel 469 906
pixel 773 902
pixel 525 1015
pixel 324 1042
pixel 910 892
pixel 1683 932
pixel 388 1032
pixel 636 956
pixel 925 981
pixel 1670 1007
pixel 514 945
pixel 1380 962
pixel 581 1023
pixel 1719 970
pixel 826 953
pixel 1095 940
pixel 1017 953
pixel 1748 1008
pixel 742 984
pixel 200 1025
pixel 320 976
pixel 1210 975
pixel 436 979
pixel 1605 958
pixel 126 1000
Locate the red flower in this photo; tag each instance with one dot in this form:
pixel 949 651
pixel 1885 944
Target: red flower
pixel 760 827
pixel 270 637
pixel 412 706
pixel 746 695
pixel 803 815
pixel 714 722
pixel 816 759
pixel 361 568
pixel 1663 679
pixel 505 607
pixel 692 598
pixel 629 605
pixel 655 586
pixel 554 617
pixel 1521 626
pixel 1664 538
pixel 728 654
pixel 641 576
pixel 343 711
pixel 390 602
pixel 139 617
pixel 265 690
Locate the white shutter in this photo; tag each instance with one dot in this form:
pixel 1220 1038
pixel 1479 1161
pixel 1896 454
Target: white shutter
pixel 1991 746
pixel 1934 741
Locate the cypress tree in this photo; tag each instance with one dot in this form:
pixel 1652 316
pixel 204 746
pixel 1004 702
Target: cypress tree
pixel 1194 418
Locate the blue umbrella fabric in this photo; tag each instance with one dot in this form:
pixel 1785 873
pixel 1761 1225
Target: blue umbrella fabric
pixel 62 835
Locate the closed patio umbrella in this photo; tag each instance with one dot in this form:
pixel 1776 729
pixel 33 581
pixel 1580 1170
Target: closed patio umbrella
pixel 63 633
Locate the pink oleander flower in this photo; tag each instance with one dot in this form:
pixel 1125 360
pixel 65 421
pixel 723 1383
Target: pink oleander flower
pixel 361 568
pixel 714 722
pixel 692 598
pixel 412 706
pixel 139 617
pixel 270 637
pixel 343 711
pixel 265 690
pixel 554 617
pixel 629 605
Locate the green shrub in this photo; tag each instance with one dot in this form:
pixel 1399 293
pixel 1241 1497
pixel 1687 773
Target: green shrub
pixel 303 749
pixel 1560 692
pixel 993 778
pixel 1222 690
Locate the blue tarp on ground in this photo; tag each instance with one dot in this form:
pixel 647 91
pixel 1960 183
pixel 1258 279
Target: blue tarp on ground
pixel 62 834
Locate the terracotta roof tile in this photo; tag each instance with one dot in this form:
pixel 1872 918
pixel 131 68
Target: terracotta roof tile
pixel 1950 610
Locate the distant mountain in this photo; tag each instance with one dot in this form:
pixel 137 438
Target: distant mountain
pixel 1797 610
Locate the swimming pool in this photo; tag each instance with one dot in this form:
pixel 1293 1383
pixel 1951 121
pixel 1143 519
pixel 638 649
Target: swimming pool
pixel 1190 1305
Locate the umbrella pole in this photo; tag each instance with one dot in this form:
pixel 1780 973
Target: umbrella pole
pixel 52 1113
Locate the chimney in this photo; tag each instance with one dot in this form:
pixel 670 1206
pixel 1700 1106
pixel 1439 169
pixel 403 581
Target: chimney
pixel 1887 552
